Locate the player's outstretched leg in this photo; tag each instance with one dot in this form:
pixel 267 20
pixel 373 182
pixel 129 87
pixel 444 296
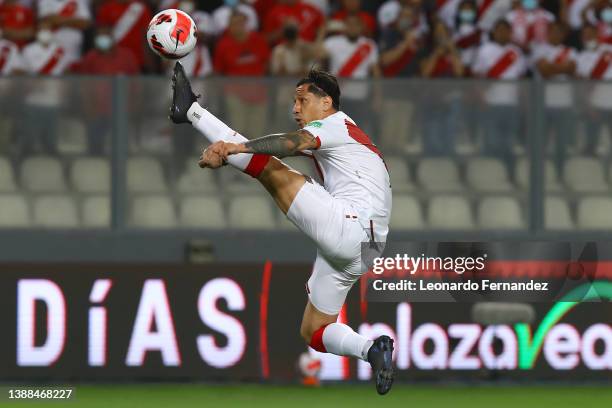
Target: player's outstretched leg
pixel 185 109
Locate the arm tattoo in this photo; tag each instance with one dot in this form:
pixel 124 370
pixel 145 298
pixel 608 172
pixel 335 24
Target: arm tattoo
pixel 282 144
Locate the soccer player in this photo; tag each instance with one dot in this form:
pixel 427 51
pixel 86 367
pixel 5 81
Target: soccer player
pixel 354 206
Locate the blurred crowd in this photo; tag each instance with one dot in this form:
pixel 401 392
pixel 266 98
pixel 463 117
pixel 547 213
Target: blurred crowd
pixel 505 39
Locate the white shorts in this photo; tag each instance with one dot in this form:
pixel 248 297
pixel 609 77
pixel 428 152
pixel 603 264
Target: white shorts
pixel 335 228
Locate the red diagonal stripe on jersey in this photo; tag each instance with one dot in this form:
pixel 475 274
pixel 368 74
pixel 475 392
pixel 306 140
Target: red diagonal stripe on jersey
pixel 55 58
pixel 359 136
pixel 4 55
pixel 562 57
pixel 602 65
pixel 502 64
pixel 181 28
pixel 484 7
pixel 361 53
pixel 69 9
pixel 469 40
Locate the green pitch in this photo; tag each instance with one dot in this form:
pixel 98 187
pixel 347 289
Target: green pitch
pixel 268 396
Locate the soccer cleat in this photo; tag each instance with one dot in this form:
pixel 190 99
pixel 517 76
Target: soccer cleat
pixel 380 357
pixel 182 95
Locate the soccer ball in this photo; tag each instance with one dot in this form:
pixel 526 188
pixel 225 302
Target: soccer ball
pixel 309 365
pixel 172 34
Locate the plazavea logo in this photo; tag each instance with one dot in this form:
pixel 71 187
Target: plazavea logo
pixel 316 124
pixel 562 346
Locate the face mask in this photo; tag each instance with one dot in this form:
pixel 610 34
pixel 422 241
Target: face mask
pixel 104 42
pixel 467 16
pixel 44 36
pixel 591 45
pixel 186 6
pixel 231 3
pixel 606 15
pixel 530 4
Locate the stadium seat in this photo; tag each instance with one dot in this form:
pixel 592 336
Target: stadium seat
pixel 551 177
pixel 399 174
pixel 439 175
pixel 145 175
pixel 202 212
pixel 488 175
pixel 500 213
pixel 156 211
pixel 55 211
pixel 14 211
pixel 196 180
pixel 90 175
pixel 585 175
pixel 557 215
pixel 96 211
pixel 251 212
pixel 448 212
pixel 7 176
pixel 407 213
pixel 595 213
pixel 42 175
pixel 72 136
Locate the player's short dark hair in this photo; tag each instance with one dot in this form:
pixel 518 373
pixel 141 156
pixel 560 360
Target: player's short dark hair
pixel 322 83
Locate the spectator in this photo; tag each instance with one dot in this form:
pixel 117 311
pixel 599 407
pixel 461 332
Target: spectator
pixel 599 14
pixel 129 20
pixel 440 108
pixel 354 7
pixel 16 22
pixel 530 23
pixel 444 59
pixel 68 19
pixel 321 5
pixel 401 49
pixel 389 12
pixel 467 36
pixel 45 56
pixel 595 62
pixel 204 21
pixel 352 55
pixel 293 56
pixel 308 18
pixel 446 11
pixel 572 12
pixel 222 14
pixel 501 60
pixel 44 96
pixel 401 45
pixel 10 58
pixel 556 61
pixel 242 52
pixel 105 59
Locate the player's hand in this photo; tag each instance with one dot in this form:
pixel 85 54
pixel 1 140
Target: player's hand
pixel 226 149
pixel 210 157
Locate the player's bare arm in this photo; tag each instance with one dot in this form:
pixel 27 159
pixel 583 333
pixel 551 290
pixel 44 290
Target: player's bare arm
pixel 279 145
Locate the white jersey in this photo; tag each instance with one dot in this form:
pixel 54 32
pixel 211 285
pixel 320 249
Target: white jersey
pixel 556 95
pixel 496 61
pixel 597 65
pixel 490 11
pixel 530 27
pixel 51 59
pixel 71 39
pixel 352 168
pixel 197 63
pixel 352 60
pixel 447 11
pixel 10 58
pixel 576 8
pixel 389 12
